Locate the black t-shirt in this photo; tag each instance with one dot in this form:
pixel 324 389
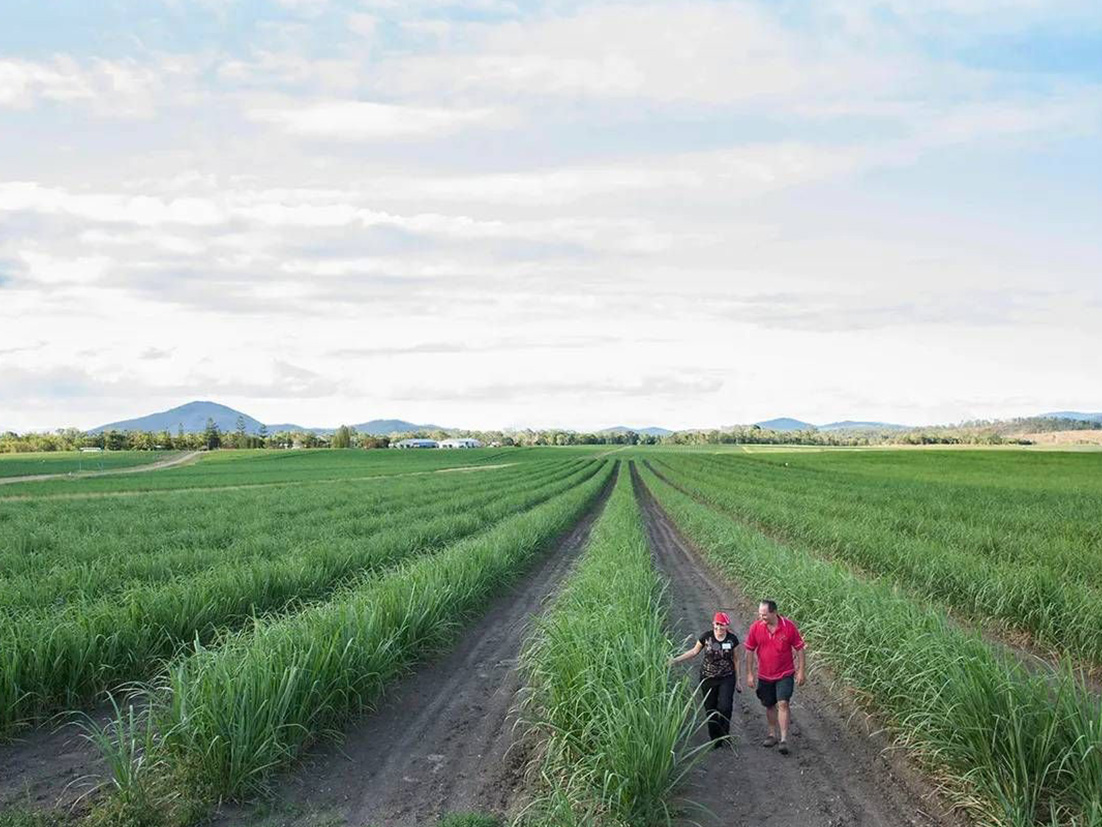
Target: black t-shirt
pixel 718 655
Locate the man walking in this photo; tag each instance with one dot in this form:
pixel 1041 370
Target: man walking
pixel 770 645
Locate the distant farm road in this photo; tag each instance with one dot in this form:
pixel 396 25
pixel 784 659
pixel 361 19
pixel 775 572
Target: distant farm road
pixel 171 462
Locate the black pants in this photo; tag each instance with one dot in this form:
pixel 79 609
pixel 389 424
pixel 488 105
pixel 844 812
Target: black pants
pixel 719 697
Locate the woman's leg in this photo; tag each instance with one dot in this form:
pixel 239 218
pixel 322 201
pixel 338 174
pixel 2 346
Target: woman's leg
pixel 710 690
pixel 725 700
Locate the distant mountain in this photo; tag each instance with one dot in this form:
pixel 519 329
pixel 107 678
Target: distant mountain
pixel 1085 417
pixel 649 431
pixel 851 425
pixel 192 417
pixel 383 427
pixel 785 423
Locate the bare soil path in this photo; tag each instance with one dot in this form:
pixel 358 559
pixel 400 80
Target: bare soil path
pixel 445 738
pixel 51 767
pixel 838 775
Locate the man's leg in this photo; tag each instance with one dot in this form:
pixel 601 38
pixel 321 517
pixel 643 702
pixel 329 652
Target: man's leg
pixel 785 687
pixel 767 694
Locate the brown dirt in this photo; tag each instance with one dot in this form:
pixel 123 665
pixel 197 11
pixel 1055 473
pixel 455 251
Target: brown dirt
pixel 52 767
pixel 445 740
pixel 840 773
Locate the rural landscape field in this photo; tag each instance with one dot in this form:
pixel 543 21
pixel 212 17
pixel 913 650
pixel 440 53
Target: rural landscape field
pixel 387 637
pixel 550 413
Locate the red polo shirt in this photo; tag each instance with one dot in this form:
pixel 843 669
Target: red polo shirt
pixel 774 650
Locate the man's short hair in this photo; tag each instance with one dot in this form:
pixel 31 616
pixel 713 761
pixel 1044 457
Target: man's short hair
pixel 771 605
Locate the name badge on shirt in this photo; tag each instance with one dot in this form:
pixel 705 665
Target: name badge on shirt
pixel 726 645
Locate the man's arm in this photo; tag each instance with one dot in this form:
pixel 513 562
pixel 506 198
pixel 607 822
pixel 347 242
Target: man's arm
pixel 801 658
pixel 751 668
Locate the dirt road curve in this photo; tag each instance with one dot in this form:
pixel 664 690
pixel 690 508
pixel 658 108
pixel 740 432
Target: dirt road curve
pixel 836 776
pixel 132 469
pixel 444 740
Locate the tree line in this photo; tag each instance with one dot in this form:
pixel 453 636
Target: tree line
pixel 982 432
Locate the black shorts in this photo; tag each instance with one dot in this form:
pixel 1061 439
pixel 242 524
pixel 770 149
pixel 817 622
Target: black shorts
pixel 769 692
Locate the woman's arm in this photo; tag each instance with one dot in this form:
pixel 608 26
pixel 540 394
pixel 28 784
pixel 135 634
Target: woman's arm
pixel 690 653
pixel 736 656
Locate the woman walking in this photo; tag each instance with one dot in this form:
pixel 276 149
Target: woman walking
pixel 720 675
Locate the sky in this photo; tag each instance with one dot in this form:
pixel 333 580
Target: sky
pixel 494 214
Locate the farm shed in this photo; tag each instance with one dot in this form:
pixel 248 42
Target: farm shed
pixel 416 443
pixel 460 443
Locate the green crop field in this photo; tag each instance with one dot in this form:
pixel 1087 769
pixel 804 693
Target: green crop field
pixel 870 550
pixel 227 469
pixel 74 462
pixel 264 600
pixel 1004 537
pixel 103 590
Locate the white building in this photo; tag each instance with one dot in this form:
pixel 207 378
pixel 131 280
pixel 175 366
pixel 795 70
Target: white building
pixel 461 443
pixel 416 443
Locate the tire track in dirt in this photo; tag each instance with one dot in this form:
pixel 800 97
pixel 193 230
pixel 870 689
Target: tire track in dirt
pixel 445 738
pixel 836 776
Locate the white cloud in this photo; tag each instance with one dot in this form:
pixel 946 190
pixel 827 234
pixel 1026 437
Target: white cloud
pixel 689 212
pixel 45 268
pixel 125 88
pixel 141 210
pixel 358 120
pixel 694 52
pixel 305 211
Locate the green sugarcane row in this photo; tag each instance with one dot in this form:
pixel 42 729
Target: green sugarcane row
pixel 38 532
pixel 614 725
pixel 1030 597
pixel 92 552
pixel 1052 527
pixel 63 662
pixel 1012 471
pixel 229 469
pixel 927 518
pixel 62 659
pixel 233 715
pixel 234 588
pixel 1023 749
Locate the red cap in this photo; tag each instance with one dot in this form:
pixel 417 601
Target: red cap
pixel 721 617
